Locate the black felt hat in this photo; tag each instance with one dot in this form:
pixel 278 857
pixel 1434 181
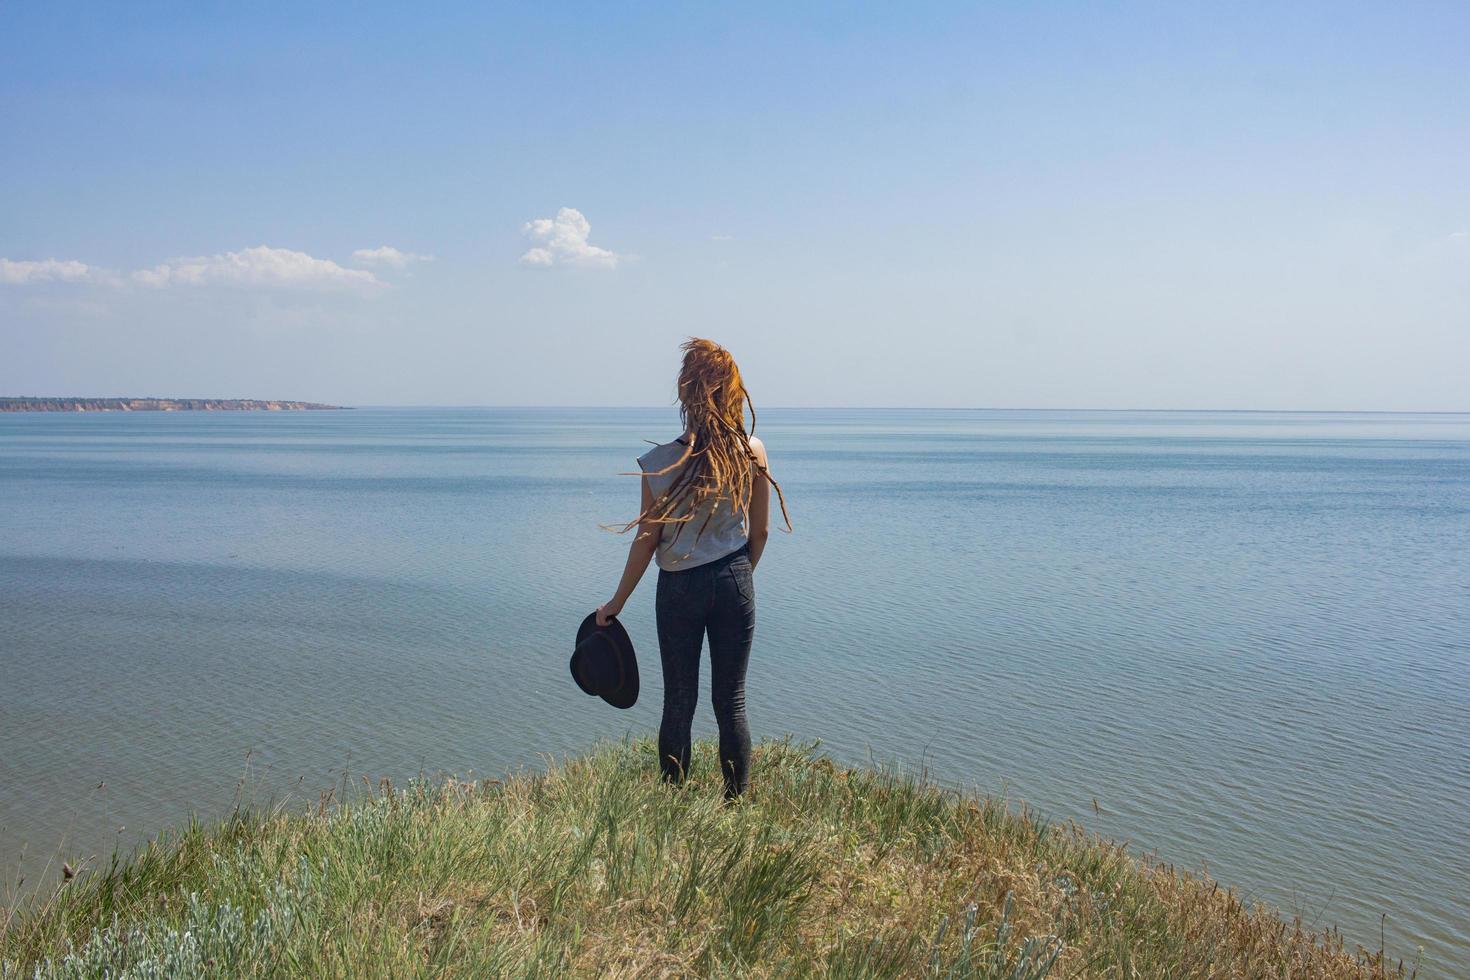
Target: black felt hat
pixel 603 663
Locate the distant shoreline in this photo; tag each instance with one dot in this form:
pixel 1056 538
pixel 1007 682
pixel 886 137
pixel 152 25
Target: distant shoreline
pixel 159 405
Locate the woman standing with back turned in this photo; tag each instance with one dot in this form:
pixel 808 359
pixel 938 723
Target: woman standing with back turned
pixel 705 516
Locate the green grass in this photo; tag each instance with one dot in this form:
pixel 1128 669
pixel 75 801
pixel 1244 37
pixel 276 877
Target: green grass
pixel 597 869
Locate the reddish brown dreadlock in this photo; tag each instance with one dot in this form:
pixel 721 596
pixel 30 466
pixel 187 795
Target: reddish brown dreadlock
pixel 712 401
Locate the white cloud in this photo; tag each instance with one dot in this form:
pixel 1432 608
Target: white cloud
pixel 23 273
pixel 562 240
pixel 258 266
pixel 388 255
pixel 1460 234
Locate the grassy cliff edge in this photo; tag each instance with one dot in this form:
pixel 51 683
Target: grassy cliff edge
pixel 597 869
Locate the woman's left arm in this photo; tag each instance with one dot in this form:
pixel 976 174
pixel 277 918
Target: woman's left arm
pixel 760 503
pixel 640 552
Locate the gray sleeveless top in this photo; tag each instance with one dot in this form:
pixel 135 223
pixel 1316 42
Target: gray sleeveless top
pixel 678 548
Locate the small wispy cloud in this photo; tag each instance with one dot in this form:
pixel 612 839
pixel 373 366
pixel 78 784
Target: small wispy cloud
pixel 26 272
pixel 262 267
pixel 258 266
pixel 722 238
pixel 388 255
pixel 1460 234
pixel 562 240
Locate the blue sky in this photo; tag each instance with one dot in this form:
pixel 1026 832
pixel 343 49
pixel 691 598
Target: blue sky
pixel 1050 205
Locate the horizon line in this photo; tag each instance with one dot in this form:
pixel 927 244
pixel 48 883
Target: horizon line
pixel 783 408
pixel 959 408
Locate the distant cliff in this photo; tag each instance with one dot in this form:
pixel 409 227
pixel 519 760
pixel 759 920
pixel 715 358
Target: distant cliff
pixel 155 405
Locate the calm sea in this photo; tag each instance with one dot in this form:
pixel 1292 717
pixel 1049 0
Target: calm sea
pixel 1238 640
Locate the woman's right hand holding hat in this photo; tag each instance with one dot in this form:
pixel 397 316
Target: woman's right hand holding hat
pixel 608 611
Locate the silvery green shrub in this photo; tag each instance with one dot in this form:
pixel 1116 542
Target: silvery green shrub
pixel 214 940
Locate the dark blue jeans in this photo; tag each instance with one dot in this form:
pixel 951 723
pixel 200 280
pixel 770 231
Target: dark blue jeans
pixel 717 598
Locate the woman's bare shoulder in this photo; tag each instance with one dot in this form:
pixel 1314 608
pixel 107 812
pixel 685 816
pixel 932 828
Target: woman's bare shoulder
pixel 759 448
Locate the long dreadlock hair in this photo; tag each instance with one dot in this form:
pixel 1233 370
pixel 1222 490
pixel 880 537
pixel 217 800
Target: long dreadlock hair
pixel 712 400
